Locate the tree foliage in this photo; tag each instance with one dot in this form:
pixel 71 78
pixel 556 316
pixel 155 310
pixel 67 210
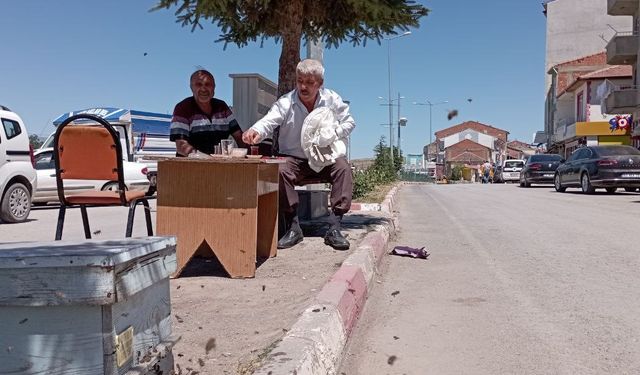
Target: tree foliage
pixel 35 141
pixel 382 171
pixel 289 21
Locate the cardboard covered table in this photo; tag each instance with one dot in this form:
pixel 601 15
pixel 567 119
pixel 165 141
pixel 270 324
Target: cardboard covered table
pixel 227 206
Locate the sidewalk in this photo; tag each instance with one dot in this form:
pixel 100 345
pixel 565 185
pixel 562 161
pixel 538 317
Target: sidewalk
pixel 231 326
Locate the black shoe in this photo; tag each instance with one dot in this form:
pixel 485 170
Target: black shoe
pixel 335 239
pixel 291 238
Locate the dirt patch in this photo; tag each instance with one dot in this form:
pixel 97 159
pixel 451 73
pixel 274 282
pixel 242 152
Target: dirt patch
pixel 228 326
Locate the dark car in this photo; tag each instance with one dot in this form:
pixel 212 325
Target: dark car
pixel 608 167
pixel 539 169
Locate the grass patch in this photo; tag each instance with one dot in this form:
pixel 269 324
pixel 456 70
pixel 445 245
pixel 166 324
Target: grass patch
pixel 376 195
pixel 250 366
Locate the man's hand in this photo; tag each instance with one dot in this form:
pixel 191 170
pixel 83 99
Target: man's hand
pixel 251 137
pixel 183 147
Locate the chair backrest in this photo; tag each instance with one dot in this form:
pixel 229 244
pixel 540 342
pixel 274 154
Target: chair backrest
pixel 88 152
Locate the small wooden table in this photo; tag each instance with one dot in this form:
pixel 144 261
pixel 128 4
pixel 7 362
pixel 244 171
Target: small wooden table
pixel 225 206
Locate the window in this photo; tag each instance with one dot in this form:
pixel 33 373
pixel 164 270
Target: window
pixel 582 153
pixel 45 161
pixel 580 108
pixel 513 164
pixel 11 128
pixel 545 158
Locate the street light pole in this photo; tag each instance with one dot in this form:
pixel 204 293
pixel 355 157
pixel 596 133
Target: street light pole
pixel 399 122
pixel 389 87
pixel 430 104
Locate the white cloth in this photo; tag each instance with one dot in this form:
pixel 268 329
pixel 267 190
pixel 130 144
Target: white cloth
pixel 289 114
pixel 319 138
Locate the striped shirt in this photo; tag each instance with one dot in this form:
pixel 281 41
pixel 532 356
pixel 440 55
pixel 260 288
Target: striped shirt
pixel 202 131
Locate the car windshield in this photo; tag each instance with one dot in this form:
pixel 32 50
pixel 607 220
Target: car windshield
pixel 513 164
pixel 548 157
pixel 617 151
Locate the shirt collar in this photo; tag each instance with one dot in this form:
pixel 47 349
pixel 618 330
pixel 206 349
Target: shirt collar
pixel 320 101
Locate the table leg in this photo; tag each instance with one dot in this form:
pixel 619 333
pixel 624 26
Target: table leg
pixel 230 233
pixel 267 225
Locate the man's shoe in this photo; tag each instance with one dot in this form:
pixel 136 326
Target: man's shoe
pixel 335 239
pixel 291 238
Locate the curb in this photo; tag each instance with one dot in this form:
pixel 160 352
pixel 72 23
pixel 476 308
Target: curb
pixel 315 343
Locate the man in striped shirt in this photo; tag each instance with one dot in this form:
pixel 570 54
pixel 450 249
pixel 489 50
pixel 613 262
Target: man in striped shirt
pixel 201 121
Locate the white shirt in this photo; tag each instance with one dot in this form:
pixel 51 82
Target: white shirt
pixel 289 113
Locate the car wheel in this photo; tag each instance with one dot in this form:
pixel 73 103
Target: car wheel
pixel 112 186
pixel 558 185
pixel 585 184
pixel 629 189
pixel 611 190
pixel 16 204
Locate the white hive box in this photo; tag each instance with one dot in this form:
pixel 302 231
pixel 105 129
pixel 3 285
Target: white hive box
pixel 92 307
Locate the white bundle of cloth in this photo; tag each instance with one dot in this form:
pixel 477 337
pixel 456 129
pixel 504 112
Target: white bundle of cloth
pixel 320 140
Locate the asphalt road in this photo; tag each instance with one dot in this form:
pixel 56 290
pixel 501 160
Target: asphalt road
pixel 519 281
pixel 106 223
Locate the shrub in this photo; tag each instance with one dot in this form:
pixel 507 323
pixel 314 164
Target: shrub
pixel 456 173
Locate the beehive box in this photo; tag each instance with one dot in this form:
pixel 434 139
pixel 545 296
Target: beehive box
pixel 91 307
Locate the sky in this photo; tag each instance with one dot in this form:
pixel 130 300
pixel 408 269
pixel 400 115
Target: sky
pixel 60 56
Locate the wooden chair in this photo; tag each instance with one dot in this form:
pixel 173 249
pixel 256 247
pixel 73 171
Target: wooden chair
pixel 92 152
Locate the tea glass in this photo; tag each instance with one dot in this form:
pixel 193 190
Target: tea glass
pixel 226 145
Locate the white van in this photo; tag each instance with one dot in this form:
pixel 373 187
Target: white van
pixel 511 170
pixel 17 172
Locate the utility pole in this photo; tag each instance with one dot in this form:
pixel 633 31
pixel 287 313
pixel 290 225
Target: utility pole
pixel 398 123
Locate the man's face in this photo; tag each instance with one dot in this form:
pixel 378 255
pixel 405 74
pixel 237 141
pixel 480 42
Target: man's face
pixel 203 87
pixel 308 86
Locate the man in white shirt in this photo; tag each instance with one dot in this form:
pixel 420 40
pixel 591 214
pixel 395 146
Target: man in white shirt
pixel 288 115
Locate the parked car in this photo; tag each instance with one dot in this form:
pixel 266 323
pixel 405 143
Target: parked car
pixel 135 178
pixel 18 178
pixel 510 171
pixel 609 167
pixel 539 169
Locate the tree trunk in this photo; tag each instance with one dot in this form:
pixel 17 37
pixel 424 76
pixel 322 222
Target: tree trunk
pixel 292 13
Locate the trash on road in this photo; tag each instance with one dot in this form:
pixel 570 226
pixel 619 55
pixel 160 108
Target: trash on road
pixel 410 251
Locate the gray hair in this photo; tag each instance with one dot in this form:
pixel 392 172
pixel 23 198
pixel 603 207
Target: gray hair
pixel 310 66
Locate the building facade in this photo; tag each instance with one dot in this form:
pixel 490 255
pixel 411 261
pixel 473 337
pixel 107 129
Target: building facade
pixel 469 144
pixel 576 28
pixel 624 48
pixel 581 116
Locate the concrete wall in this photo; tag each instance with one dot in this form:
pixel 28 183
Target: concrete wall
pixel 574 28
pixel 253 95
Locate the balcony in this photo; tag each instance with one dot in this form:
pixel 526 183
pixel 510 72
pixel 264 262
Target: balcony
pixel 622 49
pixel 622 7
pixel 621 100
pixel 564 129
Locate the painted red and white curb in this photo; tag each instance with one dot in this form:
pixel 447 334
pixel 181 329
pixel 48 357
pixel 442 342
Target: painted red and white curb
pixel 315 343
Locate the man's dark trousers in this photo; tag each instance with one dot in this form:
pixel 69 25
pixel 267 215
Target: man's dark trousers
pixel 296 170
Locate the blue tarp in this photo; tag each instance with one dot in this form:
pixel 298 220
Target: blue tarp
pixel 143 122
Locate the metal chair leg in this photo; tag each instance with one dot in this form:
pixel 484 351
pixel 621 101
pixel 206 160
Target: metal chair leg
pixel 85 221
pixel 132 211
pixel 60 224
pixel 147 215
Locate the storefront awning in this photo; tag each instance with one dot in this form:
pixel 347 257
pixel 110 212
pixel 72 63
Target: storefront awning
pixel 598 128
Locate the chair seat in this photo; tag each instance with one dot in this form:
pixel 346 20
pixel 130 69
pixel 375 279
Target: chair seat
pixel 312 180
pixel 103 197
